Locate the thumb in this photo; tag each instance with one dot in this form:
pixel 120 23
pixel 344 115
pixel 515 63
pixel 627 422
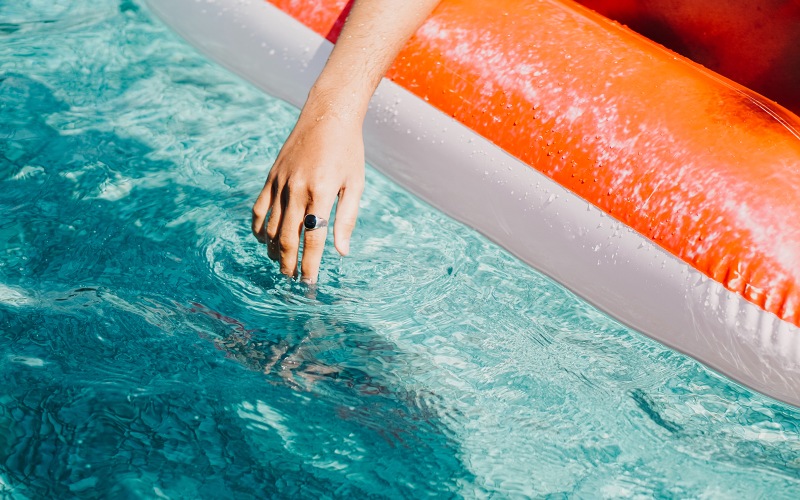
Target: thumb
pixel 346 216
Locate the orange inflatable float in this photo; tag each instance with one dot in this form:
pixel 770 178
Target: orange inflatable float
pixel 757 44
pixel 662 192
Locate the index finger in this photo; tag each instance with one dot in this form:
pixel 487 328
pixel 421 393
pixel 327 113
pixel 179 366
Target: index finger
pixel 260 211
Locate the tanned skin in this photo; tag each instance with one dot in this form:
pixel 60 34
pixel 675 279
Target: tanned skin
pixel 323 158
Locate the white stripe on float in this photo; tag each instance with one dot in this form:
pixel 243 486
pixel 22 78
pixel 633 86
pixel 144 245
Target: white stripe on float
pixel 467 177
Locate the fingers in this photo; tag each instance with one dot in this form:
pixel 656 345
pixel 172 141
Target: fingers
pixel 346 215
pixel 314 241
pixel 289 235
pixel 274 224
pixel 278 215
pixel 260 211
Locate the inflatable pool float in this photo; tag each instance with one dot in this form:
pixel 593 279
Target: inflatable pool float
pixel 659 191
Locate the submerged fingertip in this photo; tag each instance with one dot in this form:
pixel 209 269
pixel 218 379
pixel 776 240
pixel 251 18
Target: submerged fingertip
pixel 343 247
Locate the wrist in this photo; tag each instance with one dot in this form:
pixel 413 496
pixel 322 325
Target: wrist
pixel 341 102
pixel 331 113
pixel 340 84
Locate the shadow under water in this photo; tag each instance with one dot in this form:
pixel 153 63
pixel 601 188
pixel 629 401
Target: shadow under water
pixel 119 382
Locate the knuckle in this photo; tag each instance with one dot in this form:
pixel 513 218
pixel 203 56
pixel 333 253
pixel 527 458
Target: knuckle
pixel 315 192
pixel 351 190
pixel 346 223
pixel 356 182
pixel 309 266
pixel 296 185
pixel 287 242
pixel 315 238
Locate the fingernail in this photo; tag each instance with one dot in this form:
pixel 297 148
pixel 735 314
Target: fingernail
pixel 345 247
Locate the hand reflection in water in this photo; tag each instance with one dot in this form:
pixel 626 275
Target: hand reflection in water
pixel 296 362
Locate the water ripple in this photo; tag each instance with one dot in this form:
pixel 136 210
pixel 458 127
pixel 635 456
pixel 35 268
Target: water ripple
pixel 148 346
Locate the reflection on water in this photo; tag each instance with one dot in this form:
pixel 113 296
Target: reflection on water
pixel 149 348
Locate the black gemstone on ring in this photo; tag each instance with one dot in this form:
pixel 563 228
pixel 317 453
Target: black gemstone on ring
pixel 310 222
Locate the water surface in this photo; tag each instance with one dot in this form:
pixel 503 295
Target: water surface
pixel 149 348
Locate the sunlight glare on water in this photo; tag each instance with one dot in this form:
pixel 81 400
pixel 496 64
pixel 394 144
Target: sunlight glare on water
pixel 148 347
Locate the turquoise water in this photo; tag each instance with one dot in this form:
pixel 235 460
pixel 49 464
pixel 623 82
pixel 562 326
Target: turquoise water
pixel 149 348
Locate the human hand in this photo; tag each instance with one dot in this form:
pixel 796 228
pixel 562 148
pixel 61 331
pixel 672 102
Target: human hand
pixel 324 155
pixel 323 158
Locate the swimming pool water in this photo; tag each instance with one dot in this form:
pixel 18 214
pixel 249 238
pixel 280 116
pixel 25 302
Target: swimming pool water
pixel 149 348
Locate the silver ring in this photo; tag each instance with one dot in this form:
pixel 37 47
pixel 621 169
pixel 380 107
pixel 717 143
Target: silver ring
pixel 312 222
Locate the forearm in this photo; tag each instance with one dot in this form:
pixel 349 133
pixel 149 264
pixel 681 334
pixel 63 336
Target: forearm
pixel 323 157
pixel 372 37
